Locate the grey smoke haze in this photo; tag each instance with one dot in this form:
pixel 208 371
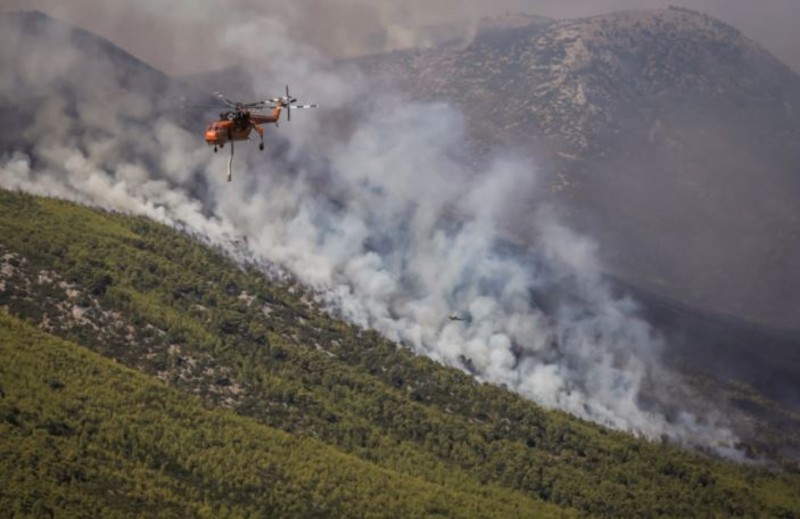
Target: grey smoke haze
pixel 183 36
pixel 382 220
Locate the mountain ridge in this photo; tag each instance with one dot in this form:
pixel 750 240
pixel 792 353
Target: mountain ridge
pixel 658 131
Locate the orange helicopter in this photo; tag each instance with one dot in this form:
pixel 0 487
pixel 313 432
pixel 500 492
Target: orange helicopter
pixel 237 123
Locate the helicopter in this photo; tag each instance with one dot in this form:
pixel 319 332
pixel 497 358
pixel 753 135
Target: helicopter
pixel 237 123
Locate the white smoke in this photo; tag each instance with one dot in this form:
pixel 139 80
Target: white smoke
pixel 381 217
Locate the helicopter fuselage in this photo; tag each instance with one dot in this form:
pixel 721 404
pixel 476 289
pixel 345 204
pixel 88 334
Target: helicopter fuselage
pixel 222 131
pixel 237 125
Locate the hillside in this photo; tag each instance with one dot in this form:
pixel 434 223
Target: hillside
pixel 669 136
pixel 96 127
pixel 159 302
pixel 83 133
pixel 84 436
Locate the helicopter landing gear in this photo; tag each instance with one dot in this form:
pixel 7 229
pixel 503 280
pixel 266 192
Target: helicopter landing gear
pixel 260 131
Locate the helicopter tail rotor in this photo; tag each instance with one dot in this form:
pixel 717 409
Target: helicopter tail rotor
pixel 288 106
pixel 287 102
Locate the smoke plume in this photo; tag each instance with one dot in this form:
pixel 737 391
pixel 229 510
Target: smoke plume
pixel 373 203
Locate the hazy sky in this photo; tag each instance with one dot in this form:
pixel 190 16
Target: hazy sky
pixel 184 35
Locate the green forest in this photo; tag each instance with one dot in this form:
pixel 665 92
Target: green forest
pixel 143 371
pixel 85 436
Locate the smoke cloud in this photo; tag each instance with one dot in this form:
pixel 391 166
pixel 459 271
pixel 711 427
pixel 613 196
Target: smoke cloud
pixel 378 212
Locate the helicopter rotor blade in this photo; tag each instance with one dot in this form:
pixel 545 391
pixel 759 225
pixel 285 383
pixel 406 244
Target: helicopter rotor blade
pixel 287 102
pixel 254 106
pixel 225 100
